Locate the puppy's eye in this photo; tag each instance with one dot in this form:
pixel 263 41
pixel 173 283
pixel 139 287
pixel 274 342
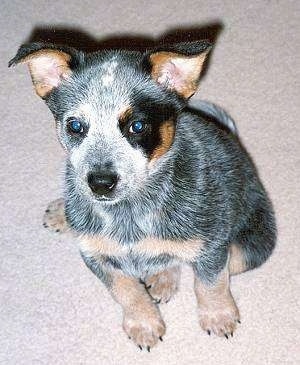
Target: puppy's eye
pixel 75 126
pixel 137 127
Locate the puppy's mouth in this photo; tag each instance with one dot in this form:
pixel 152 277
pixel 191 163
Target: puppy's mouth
pixel 103 187
pixel 104 198
pixel 107 198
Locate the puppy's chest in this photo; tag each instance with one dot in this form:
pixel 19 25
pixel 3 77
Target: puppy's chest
pixel 139 258
pixel 127 226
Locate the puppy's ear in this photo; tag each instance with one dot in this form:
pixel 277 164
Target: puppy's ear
pixel 179 66
pixel 48 64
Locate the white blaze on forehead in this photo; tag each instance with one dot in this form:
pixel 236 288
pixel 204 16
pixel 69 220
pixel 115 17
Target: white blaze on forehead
pixel 87 110
pixel 109 73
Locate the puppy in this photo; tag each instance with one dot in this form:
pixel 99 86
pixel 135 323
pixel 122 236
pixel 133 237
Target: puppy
pixel 151 182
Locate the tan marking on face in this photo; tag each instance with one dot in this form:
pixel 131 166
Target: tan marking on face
pixel 177 72
pixel 237 263
pixel 142 321
pixel 125 114
pixel 184 250
pixel 167 133
pixel 218 312
pixel 98 245
pixel 47 67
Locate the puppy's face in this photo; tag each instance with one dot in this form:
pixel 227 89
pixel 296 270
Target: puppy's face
pixel 115 111
pixel 115 122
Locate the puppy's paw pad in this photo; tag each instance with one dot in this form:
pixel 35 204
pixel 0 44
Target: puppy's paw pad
pixel 54 218
pixel 164 285
pixel 222 321
pixel 144 330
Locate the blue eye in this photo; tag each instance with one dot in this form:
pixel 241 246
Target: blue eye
pixel 75 126
pixel 137 127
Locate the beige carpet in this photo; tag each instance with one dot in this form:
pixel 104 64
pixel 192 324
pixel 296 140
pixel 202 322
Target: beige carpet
pixel 53 310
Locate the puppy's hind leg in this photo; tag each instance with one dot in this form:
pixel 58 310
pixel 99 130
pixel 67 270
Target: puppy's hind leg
pixel 163 285
pixel 54 218
pixel 255 242
pixel 218 312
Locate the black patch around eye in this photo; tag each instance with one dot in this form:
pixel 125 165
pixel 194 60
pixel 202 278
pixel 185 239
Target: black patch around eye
pixel 153 114
pixel 149 139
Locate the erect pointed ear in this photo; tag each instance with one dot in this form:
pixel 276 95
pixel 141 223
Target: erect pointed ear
pixel 48 64
pixel 178 67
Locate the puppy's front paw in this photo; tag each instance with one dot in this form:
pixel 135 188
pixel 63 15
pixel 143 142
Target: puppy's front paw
pixel 54 217
pixel 145 328
pixel 220 319
pixel 164 285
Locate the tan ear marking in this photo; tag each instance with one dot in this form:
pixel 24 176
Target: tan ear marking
pixel 177 72
pixel 47 68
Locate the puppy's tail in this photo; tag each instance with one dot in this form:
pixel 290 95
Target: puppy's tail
pixel 215 112
pixel 255 242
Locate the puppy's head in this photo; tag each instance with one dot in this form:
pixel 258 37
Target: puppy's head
pixel 115 111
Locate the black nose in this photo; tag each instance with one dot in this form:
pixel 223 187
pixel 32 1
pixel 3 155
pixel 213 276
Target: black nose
pixel 102 183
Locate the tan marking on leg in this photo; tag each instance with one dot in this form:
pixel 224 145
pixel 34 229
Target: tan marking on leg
pixel 101 245
pixel 166 132
pixel 54 218
pixel 184 250
pixel 218 312
pixel 142 321
pixel 164 285
pixel 237 263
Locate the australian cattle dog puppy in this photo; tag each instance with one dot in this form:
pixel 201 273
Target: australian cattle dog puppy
pixel 152 182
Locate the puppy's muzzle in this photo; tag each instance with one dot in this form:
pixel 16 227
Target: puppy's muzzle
pixel 102 183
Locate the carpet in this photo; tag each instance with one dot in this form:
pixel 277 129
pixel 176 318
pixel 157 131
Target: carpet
pixel 52 309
